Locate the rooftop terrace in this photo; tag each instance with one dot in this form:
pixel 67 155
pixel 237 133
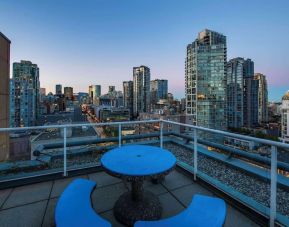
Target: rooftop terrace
pixel 34 204
pixel 253 181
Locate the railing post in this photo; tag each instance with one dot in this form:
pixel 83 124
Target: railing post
pixel 64 153
pixel 161 134
pixel 195 154
pixel 119 135
pixel 273 185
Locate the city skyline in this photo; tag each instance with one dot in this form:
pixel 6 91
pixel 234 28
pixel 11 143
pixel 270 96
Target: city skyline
pixel 107 42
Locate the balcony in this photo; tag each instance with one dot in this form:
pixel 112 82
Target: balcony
pixel 254 183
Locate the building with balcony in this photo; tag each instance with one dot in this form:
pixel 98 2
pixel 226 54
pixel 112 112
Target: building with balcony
pixel 242 94
pixel 24 94
pixel 235 103
pixel 4 94
pixel 205 80
pixel 285 118
pixel 141 90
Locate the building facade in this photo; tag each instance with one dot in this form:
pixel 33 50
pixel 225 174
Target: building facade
pixel 4 95
pixel 235 107
pixel 24 94
pixel 111 89
pixel 158 90
pixel 128 96
pixel 68 93
pixel 58 89
pixel 285 118
pixel 205 80
pixel 262 98
pixel 250 115
pixel 141 90
pixel 94 92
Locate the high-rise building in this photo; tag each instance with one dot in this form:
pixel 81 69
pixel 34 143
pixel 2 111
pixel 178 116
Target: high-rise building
pixel 94 92
pixel 24 94
pixel 4 95
pixel 128 95
pixel 250 116
pixel 235 103
pixel 68 93
pixel 111 89
pixel 205 80
pixel 262 98
pixel 158 90
pixel 42 93
pixel 141 90
pixel 58 89
pixel 285 118
pixel 242 94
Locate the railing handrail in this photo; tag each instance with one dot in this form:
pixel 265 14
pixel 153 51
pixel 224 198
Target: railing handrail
pixel 235 135
pixel 76 125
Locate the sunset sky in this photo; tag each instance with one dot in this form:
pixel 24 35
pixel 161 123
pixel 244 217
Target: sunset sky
pixel 78 43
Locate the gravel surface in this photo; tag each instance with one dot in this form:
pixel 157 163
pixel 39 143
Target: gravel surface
pixel 246 184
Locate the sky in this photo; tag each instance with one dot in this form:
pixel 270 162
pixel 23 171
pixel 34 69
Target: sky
pixel 78 43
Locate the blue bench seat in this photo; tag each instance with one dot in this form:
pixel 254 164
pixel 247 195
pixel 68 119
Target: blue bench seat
pixel 74 208
pixel 204 211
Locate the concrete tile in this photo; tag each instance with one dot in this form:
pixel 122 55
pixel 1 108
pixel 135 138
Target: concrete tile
pixel 48 220
pixel 236 218
pixel 29 215
pixel 185 194
pixel 4 194
pixel 103 179
pixel 110 217
pixel 157 189
pixel 175 180
pixel 28 194
pixel 61 184
pixel 170 205
pixel 103 199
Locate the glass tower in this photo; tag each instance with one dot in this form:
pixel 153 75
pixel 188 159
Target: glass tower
pixel 141 90
pixel 242 94
pixel 250 116
pixel 159 90
pixel 205 80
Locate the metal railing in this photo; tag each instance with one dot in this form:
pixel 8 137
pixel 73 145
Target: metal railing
pixel 273 144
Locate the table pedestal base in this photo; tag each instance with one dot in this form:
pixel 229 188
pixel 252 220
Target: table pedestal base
pixel 128 211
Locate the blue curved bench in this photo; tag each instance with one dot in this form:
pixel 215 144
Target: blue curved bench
pixel 204 211
pixel 74 208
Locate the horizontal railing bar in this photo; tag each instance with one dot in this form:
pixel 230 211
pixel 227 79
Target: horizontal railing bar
pixel 239 136
pixel 77 125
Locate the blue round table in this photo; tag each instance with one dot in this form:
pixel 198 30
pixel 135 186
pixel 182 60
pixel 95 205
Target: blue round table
pixel 135 163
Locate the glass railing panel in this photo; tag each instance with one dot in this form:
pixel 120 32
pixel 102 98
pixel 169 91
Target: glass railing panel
pixel 27 154
pixel 141 133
